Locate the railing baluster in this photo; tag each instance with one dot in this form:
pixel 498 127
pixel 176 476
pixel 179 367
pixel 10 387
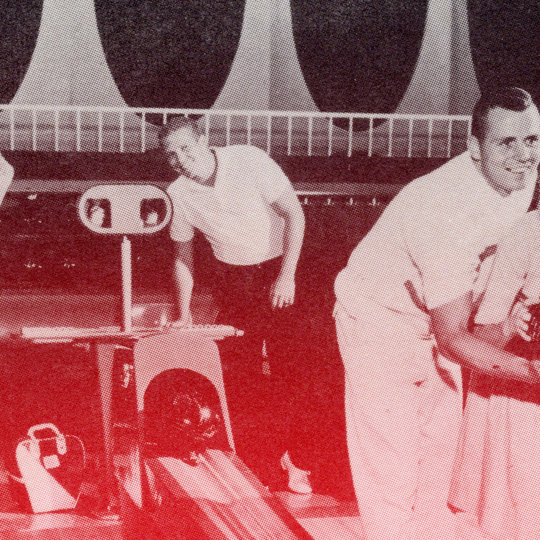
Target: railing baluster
pixel 370 141
pixel 409 149
pixel 349 149
pixel 121 132
pixel 56 130
pixel 390 136
pixel 143 132
pixel 449 142
pixel 269 134
pixel 310 134
pixel 430 135
pixel 330 126
pixel 12 129
pixel 100 131
pixel 78 130
pixel 34 129
pixel 289 135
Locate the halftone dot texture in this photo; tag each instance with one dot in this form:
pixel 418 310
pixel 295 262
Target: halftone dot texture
pixel 422 57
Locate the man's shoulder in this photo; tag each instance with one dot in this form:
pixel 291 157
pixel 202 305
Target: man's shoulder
pixel 240 150
pixel 456 175
pixel 458 168
pixel 449 190
pixel 177 187
pixel 245 163
pixel 179 182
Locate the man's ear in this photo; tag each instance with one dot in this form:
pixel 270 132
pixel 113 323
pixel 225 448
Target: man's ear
pixel 473 144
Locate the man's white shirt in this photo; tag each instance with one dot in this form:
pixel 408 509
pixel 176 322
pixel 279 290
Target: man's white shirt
pixel 427 247
pixel 235 215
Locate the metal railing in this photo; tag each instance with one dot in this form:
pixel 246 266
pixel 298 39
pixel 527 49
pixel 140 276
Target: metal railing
pixel 134 129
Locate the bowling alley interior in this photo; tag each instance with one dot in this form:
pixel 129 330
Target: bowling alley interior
pixel 352 100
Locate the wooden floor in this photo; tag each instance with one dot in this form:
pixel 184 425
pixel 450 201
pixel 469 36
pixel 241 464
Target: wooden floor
pixel 330 508
pixel 59 526
pixel 62 525
pixel 320 515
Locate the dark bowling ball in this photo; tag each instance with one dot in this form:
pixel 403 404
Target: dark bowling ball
pixel 182 415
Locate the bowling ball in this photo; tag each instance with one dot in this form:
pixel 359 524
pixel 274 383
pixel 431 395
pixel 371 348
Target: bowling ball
pixel 182 415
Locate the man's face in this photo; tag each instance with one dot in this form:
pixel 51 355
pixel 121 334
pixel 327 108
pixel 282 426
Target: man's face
pixel 188 154
pixel 508 153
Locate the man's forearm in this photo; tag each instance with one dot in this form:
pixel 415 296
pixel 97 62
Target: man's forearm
pixel 293 238
pixel 488 357
pixel 184 288
pixel 493 334
pixel 450 327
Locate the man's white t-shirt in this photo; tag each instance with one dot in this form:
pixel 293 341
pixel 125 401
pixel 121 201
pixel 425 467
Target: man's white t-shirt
pixel 235 214
pixel 428 245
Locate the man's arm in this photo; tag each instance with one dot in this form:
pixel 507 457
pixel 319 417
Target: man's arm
pixel 183 278
pixel 458 344
pixel 289 208
pixel 6 176
pixel 516 324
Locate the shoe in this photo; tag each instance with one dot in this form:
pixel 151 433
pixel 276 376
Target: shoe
pixel 298 479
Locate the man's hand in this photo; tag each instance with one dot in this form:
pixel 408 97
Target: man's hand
pixel 517 323
pixel 282 292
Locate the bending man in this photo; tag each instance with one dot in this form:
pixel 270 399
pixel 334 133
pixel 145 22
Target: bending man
pixel 405 299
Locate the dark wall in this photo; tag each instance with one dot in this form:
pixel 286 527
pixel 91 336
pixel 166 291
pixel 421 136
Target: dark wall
pixel 45 247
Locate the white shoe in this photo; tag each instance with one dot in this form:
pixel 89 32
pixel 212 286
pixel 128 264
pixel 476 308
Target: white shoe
pixel 298 479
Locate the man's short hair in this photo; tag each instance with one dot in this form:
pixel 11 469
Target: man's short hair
pixel 508 97
pixel 177 123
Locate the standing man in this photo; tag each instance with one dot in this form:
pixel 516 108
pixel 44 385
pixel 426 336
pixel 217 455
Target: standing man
pixel 405 298
pixel 245 206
